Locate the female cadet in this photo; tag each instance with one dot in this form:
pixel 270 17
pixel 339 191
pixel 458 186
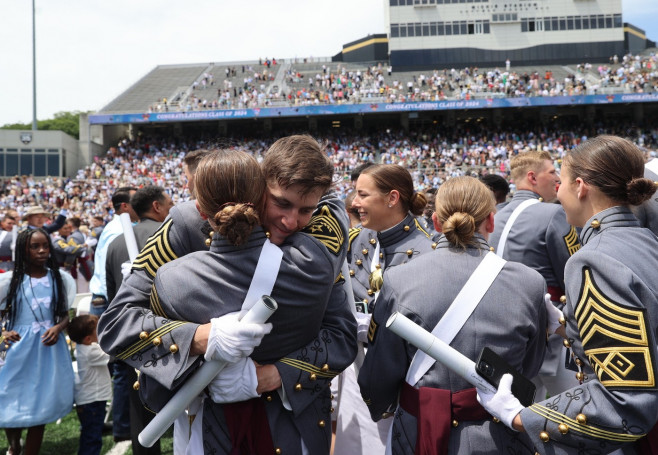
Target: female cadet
pixel 611 312
pixel 509 320
pixel 390 235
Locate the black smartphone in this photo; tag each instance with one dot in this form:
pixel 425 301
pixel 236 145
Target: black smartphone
pixel 492 367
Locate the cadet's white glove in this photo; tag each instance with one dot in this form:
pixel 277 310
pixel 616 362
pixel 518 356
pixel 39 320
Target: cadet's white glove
pixel 229 339
pixel 125 269
pixel 553 314
pixel 362 325
pixel 236 382
pixel 502 404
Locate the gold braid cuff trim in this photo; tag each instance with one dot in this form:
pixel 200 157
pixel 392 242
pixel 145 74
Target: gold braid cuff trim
pixel 309 367
pixel 141 344
pixel 586 430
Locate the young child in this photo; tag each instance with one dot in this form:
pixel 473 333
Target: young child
pixel 36 382
pixel 93 385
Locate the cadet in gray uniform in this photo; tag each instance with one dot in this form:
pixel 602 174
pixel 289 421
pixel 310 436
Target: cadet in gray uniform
pixel 647 213
pixel 6 238
pixel 321 350
pixel 439 413
pixel 611 313
pixel 540 238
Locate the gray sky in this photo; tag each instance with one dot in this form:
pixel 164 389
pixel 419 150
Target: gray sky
pixel 89 51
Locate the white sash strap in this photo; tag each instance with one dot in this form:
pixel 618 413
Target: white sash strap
pixel 373 267
pixel 652 165
pixel 459 311
pixel 3 234
pixel 262 284
pixel 508 226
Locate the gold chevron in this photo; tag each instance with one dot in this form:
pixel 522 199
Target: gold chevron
pixel 372 330
pixel 309 367
pixel 156 252
pixel 353 233
pixel 571 241
pixel 148 342
pixel 325 227
pixel 420 228
pixel 614 338
pixel 156 307
pixel 586 430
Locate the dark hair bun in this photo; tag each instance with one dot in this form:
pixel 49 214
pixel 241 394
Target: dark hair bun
pixel 417 203
pixel 640 190
pixel 236 222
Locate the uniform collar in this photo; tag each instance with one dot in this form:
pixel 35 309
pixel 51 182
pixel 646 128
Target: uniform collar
pixel 398 232
pixel 479 243
pixel 618 216
pixel 222 245
pixel 522 195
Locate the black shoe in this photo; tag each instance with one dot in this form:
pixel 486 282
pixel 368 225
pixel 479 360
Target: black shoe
pixel 107 428
pixel 121 438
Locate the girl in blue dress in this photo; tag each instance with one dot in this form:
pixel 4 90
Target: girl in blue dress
pixel 36 381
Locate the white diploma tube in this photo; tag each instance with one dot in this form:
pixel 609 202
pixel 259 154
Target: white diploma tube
pixel 259 313
pixel 437 349
pixel 129 236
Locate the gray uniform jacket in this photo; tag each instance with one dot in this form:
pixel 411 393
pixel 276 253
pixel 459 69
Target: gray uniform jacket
pixel 309 348
pixel 612 315
pixel 510 319
pixel 398 245
pixel 66 251
pixel 647 213
pixel 540 237
pixel 117 254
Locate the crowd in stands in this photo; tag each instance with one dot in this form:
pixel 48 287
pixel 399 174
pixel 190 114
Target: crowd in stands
pixel 336 84
pixel 432 156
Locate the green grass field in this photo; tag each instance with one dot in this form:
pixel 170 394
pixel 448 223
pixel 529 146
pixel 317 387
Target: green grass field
pixel 62 439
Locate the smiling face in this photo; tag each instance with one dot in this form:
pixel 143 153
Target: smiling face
pixel 568 196
pixel 287 210
pixel 372 204
pixel 546 181
pixel 38 250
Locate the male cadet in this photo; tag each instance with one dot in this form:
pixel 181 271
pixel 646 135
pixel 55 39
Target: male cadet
pixel 647 213
pixel 97 225
pixel 97 284
pixel 500 188
pixel 190 163
pixel 534 231
pixel 300 411
pixel 84 263
pixel 152 205
pixel 6 242
pixel 66 251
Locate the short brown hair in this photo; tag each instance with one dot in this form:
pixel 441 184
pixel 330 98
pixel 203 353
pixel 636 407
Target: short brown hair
pixel 613 165
pixel 193 159
pixel 388 177
pixel 82 326
pixel 524 162
pixel 462 204
pixel 230 189
pixel 298 160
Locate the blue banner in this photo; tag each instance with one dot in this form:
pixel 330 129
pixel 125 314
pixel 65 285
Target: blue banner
pixel 321 110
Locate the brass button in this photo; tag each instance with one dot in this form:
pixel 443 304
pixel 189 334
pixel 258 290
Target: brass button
pixel 406 228
pixel 157 341
pixel 562 320
pixel 143 335
pixel 541 199
pixel 325 368
pixel 359 262
pixel 562 428
pixel 321 424
pixel 211 234
pixel 596 224
pixel 491 249
pixel 434 246
pixel 136 385
pixel 332 396
pixel 173 348
pixel 267 234
pixel 208 242
pixel 373 241
pixel 268 397
pixel 378 266
pixel 331 409
pixel 298 387
pixel 455 423
pixel 381 255
pixel 581 419
pixel 351 272
pixel 370 292
pixel 563 299
pixel 364 251
pixel 566 343
pixel 496 420
pixel 277 451
pixel 313 377
pixel 544 436
pixel 410 252
pixel 578 361
pixel 580 376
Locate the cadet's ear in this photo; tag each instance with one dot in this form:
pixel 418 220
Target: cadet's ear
pixel 489 220
pixel 437 224
pixel 582 188
pixel 203 215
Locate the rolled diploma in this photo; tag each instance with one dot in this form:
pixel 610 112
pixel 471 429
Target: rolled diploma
pixel 437 349
pixel 259 313
pixel 129 236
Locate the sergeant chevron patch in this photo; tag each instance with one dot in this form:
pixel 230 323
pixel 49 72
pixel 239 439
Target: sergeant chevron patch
pixel 325 227
pixel 615 338
pixel 156 252
pixel 354 233
pixel 571 241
